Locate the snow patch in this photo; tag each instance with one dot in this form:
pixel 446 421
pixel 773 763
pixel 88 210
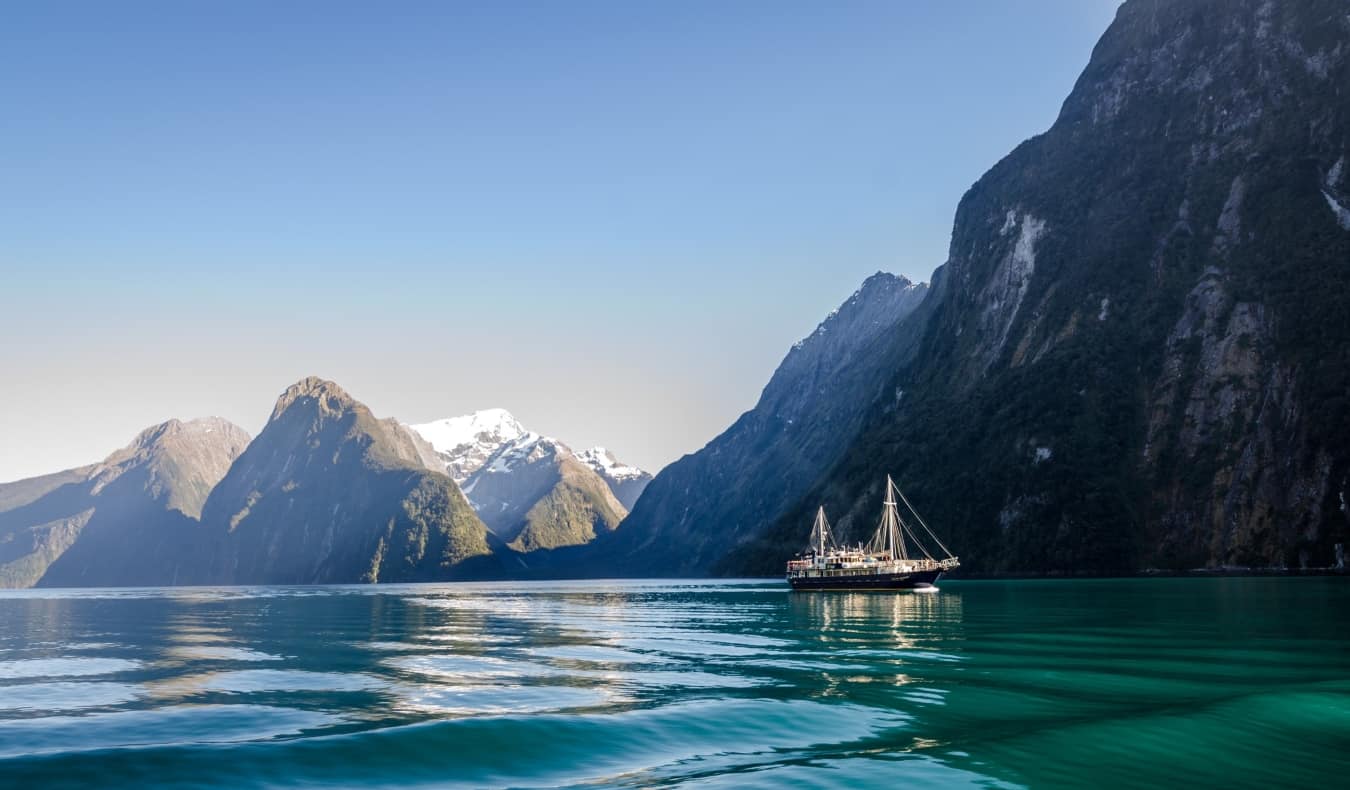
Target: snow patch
pixel 1106 308
pixel 451 433
pixel 1009 222
pixel 465 443
pixel 604 462
pixel 524 448
pixel 1043 454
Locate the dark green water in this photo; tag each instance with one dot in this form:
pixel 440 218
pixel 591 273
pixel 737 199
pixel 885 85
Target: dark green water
pixel 1234 682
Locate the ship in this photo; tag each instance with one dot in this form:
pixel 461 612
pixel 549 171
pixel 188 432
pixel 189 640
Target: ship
pixel 884 563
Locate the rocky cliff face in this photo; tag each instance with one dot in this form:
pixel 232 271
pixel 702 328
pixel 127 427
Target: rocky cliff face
pixel 329 493
pixel 129 520
pixel 1141 355
pixel 704 504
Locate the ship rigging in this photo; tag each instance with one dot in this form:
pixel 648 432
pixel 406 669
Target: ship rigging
pixel 885 562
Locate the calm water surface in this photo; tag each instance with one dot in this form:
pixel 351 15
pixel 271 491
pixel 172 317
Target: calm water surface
pixel 1236 682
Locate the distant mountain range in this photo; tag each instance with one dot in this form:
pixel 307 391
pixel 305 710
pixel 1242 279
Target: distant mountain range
pixel 533 492
pixel 132 519
pixel 326 492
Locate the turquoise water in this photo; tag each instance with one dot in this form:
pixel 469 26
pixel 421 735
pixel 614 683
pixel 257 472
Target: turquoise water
pixel 1236 682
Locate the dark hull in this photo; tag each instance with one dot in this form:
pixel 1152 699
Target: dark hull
pixel 876 581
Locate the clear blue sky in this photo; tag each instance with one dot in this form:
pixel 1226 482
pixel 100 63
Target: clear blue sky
pixel 612 218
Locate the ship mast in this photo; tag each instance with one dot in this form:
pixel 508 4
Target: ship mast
pixel 896 541
pixel 820 534
pixel 926 528
pixel 893 529
pixel 889 538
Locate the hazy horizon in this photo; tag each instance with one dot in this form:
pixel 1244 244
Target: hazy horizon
pixel 612 220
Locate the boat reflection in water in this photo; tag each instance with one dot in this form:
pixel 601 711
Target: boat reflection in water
pixel 885 563
pixel 901 639
pixel 913 621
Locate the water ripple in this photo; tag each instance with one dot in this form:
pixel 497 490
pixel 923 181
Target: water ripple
pixel 657 683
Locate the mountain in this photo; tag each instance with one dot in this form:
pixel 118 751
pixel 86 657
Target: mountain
pixel 533 492
pixel 699 507
pixel 1137 354
pixel 465 443
pixel 131 519
pixel 328 493
pixel 627 482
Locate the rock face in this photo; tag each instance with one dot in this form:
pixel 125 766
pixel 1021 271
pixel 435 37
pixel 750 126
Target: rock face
pixel 132 519
pixel 533 492
pixel 327 493
pixel 1139 351
pixel 701 506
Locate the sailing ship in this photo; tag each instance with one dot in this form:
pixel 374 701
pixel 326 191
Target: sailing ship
pixel 884 563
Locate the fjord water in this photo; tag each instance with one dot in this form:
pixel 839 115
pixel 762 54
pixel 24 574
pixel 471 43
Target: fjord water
pixel 719 684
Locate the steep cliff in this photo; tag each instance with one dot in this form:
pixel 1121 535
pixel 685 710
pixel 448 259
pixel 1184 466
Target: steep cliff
pixel 1141 357
pixel 699 507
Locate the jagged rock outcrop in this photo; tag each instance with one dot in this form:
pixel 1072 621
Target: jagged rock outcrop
pixel 132 519
pixel 327 493
pixel 1141 355
pixel 702 505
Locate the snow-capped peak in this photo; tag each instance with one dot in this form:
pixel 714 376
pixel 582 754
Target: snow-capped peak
pixel 604 462
pixel 453 432
pixel 526 447
pixel 506 461
pixel 491 445
pixel 466 442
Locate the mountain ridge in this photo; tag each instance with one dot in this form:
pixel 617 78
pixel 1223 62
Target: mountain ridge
pixel 687 518
pixel 1145 302
pixel 125 520
pixel 329 493
pixel 532 491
